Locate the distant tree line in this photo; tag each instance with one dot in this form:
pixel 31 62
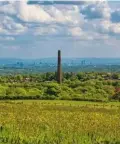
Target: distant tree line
pixel 90 86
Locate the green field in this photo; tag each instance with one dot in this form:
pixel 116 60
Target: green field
pixel 59 122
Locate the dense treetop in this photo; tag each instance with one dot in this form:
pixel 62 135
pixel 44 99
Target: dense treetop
pixel 92 86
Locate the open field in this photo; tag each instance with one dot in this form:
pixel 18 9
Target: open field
pixel 59 122
pixel 114 105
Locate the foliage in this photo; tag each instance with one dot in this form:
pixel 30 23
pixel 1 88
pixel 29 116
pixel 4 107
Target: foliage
pixel 76 86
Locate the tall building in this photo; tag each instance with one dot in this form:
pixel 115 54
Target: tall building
pixel 59 68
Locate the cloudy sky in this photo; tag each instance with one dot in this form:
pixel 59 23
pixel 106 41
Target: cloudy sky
pixel 88 29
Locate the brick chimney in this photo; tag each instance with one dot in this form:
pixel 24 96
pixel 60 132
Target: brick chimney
pixel 59 68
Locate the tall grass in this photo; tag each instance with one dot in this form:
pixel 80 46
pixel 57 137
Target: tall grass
pixel 37 123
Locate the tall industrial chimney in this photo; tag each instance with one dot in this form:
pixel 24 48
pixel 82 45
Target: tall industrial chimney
pixel 59 68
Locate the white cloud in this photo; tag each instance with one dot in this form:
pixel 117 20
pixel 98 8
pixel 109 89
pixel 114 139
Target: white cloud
pixel 65 15
pixel 45 31
pixel 58 20
pixel 8 8
pixel 42 14
pixel 32 13
pixel 109 27
pixel 96 10
pixel 77 31
pixel 9 26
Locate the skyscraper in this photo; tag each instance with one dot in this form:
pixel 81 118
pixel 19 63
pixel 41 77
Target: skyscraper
pixel 59 68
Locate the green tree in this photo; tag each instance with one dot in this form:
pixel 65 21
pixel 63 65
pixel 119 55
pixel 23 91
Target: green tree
pixel 2 91
pixel 20 91
pixel 115 76
pixel 35 92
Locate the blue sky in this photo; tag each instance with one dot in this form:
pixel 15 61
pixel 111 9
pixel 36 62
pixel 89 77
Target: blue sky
pixel 90 29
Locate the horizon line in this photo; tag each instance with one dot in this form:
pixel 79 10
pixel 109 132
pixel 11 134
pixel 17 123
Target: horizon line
pixel 62 58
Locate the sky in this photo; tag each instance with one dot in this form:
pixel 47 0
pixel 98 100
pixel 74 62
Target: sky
pixel 88 29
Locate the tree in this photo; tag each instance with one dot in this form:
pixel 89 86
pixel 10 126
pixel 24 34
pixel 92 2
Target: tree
pixel 20 92
pixel 115 76
pixel 19 77
pixel 2 91
pixel 81 75
pixel 35 92
pixel 50 76
pixel 53 89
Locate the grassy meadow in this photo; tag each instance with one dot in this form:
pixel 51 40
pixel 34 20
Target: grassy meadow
pixel 59 122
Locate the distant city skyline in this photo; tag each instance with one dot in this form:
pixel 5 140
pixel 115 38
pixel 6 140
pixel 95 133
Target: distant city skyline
pixel 90 29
